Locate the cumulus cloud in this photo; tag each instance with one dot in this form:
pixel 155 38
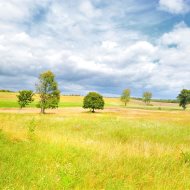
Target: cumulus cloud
pixel 175 6
pixel 87 50
pixel 172 69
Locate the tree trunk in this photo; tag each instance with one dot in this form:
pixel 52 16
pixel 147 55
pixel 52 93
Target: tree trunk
pixel 42 110
pixel 93 110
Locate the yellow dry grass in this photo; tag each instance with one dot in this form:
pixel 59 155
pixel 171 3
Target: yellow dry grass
pixel 115 148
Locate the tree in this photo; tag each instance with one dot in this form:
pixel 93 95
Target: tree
pixel 25 98
pixel 147 96
pixel 184 98
pixel 125 97
pixel 93 101
pixel 48 91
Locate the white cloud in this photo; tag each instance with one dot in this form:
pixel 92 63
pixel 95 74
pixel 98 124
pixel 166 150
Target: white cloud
pixel 172 70
pixel 88 10
pixel 174 6
pixel 88 51
pixel 180 36
pixel 109 45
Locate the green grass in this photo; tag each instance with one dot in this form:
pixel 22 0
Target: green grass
pixel 124 150
pixel 9 100
pixel 161 108
pixel 70 104
pixel 14 104
pixel 8 104
pixel 140 147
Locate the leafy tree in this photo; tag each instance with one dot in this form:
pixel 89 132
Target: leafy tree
pixel 184 98
pixel 93 101
pixel 48 91
pixel 147 96
pixel 25 98
pixel 125 97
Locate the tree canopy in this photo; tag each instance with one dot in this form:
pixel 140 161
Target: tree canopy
pixel 147 96
pixel 125 97
pixel 48 91
pixel 25 97
pixel 184 98
pixel 93 101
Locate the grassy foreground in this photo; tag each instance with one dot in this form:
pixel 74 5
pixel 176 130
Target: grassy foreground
pixel 123 149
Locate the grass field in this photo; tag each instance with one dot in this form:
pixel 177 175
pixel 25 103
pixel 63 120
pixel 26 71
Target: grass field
pixel 9 100
pixel 114 149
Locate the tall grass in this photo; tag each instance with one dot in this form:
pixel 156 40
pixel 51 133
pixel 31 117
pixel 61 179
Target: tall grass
pixel 123 150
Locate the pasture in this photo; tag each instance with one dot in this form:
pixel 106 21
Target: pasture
pixel 138 147
pixel 9 100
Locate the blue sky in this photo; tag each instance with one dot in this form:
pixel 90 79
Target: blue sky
pixel 96 45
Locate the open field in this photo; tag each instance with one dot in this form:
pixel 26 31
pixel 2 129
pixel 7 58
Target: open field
pixel 116 148
pixel 9 100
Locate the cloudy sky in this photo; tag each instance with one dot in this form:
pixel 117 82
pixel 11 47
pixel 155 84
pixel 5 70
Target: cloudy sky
pixel 97 45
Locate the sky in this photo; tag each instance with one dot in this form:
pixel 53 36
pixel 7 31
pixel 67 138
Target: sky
pixel 97 45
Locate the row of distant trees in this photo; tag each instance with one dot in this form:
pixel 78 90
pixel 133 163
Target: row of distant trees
pixel 183 98
pixel 49 95
pixel 2 90
pixel 126 96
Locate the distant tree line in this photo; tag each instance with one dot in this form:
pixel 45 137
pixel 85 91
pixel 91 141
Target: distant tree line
pixel 49 96
pixel 160 100
pixel 183 98
pixel 3 90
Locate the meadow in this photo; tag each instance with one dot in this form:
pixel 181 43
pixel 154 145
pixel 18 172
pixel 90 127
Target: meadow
pixel 9 100
pixel 138 147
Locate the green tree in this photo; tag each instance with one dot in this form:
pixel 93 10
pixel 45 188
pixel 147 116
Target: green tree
pixel 25 97
pixel 48 91
pixel 125 97
pixel 184 98
pixel 147 96
pixel 93 101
